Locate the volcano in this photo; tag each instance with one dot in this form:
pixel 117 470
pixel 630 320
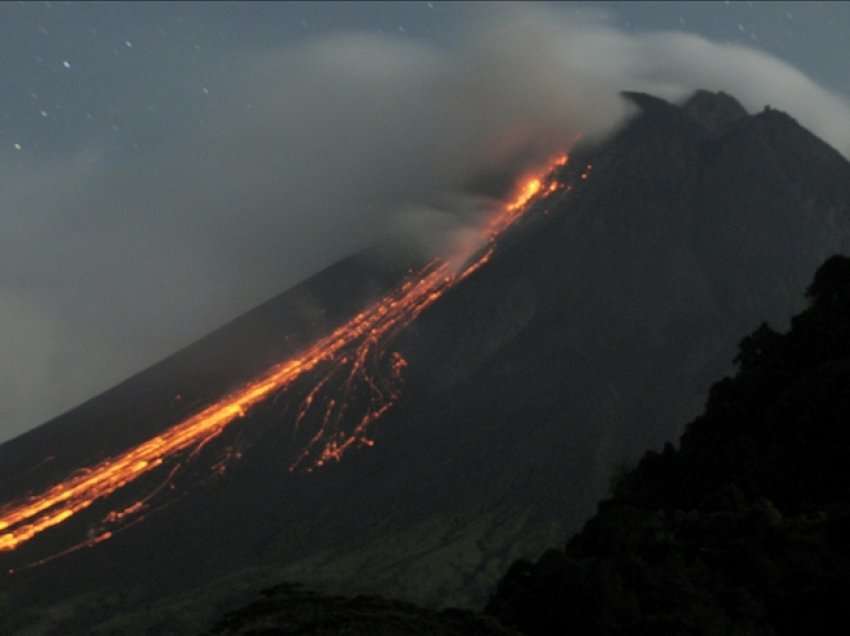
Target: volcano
pixel 581 332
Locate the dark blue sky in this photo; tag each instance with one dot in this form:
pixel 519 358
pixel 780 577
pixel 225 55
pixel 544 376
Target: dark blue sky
pixel 136 69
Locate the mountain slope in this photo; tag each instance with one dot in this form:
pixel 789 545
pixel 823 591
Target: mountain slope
pixel 591 335
pixel 741 530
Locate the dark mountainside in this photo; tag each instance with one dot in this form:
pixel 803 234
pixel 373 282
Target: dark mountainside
pixel 745 528
pixel 592 335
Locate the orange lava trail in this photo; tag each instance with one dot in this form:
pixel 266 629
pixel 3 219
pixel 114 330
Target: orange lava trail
pixel 353 351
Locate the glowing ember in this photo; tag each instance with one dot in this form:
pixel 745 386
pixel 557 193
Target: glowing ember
pixel 529 190
pixel 354 381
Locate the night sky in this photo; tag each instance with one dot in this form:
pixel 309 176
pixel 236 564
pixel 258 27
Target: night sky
pixel 136 211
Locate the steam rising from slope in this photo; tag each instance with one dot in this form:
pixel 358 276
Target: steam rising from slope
pixel 304 154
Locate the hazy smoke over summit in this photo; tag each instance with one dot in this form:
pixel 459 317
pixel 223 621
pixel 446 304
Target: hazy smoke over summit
pixel 111 260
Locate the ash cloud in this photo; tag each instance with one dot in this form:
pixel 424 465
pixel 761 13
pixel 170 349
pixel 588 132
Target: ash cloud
pixel 110 260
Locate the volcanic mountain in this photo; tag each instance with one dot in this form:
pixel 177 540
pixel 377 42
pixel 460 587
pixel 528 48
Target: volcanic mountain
pixel 586 332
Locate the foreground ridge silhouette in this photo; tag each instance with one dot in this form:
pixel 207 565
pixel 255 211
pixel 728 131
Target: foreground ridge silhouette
pixel 742 529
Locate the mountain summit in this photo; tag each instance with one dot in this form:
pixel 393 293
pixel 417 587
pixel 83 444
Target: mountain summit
pixel 716 111
pixel 591 334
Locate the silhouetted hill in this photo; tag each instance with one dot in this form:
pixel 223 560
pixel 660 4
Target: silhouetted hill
pixel 745 528
pixel 288 609
pixel 591 335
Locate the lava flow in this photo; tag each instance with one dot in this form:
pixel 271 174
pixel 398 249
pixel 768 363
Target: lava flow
pixel 354 381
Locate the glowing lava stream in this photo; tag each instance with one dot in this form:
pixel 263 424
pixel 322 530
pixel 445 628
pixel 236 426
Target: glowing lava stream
pixel 350 353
